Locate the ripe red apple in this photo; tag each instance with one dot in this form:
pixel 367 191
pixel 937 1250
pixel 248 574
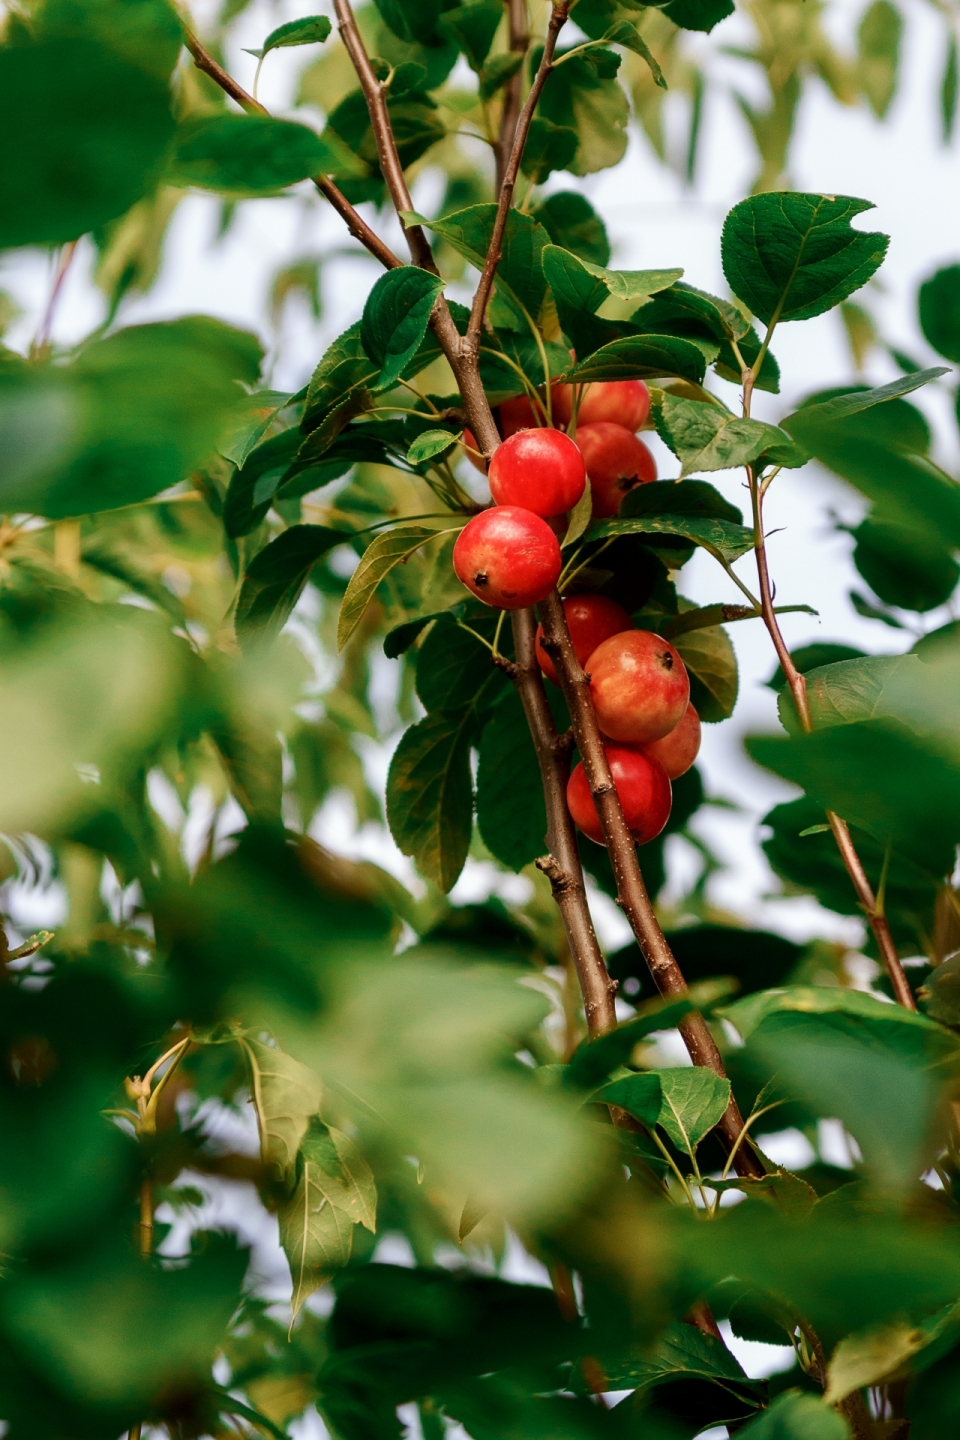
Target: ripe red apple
pixel 621 402
pixel 679 748
pixel 591 619
pixel 616 461
pixel 517 414
pixel 639 685
pixel 642 786
pixel 508 557
pixel 540 470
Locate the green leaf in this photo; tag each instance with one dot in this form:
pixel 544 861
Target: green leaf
pixel 316 1235
pixel 756 958
pixel 275 579
pixel 939 306
pixel 580 289
pixel 790 256
pixel 594 1060
pixel 708 437
pixel 73 108
pixel 498 70
pixel 310 30
pixel 454 668
pixel 285 1095
pixel 395 319
pixel 643 356
pixel 572 223
pixel 698 14
pixel 148 33
pixel 640 1095
pixel 580 518
pixel 878 54
pixel 869 1356
pixel 254 418
pixel 583 95
pixel 342 1173
pixel 344 369
pixel 380 557
pixel 693 509
pixel 712 665
pixel 841 407
pixel 549 147
pixel 520 271
pixel 430 794
pixel 811 657
pixel 510 807
pixel 694 1099
pixel 473 26
pixel 858 1013
pixel 249 155
pixel 416 126
pixel 627 35
pixel 904 567
pixel 795 1416
pixel 429 444
pixel 132 415
pixel 683 309
pixel 948 90
pixel 683 1351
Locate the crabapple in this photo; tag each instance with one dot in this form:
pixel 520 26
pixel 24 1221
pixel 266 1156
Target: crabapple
pixel 622 402
pixel 590 620
pixel 639 685
pixel 541 470
pixel 643 789
pixel 616 461
pixel 678 749
pixel 508 557
pixel 519 413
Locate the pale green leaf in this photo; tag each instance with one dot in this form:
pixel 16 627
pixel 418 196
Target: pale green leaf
pixel 694 1099
pixel 285 1095
pixel 580 518
pixel 429 444
pixel 380 557
pixel 317 1236
pixel 869 1357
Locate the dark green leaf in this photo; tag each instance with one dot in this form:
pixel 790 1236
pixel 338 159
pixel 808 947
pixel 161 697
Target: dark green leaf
pixel 276 576
pixel 473 26
pixel 148 33
pixel 905 567
pixel 399 640
pixel 790 256
pixel 642 356
pixel 549 147
pixel 852 402
pixel 811 657
pixel 251 154
pixel 708 437
pixel 698 14
pixel 939 305
pixel 694 510
pixel 310 30
pixel 84 136
pixel 572 223
pixel 395 319
pixel 510 806
pixel 520 272
pixel 416 126
pixel 430 794
pixel 594 1060
pixel 627 35
pixel 454 668
pixel 640 1095
pixel 694 1099
pixel 346 367
pixel 583 94
pixel 580 289
pixel 756 958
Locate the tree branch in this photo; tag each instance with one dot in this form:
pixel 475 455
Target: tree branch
pixel 518 40
pixel 632 894
pixel 357 226
pixel 562 866
pixel 558 18
pixel 841 834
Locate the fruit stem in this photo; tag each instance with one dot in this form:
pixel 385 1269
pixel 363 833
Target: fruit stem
pixel 632 893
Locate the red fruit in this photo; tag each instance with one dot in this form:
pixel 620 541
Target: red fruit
pixel 678 749
pixel 622 402
pixel 475 461
pixel 616 461
pixel 591 619
pixel 517 414
pixel 541 470
pixel 508 557
pixel 642 786
pixel 639 685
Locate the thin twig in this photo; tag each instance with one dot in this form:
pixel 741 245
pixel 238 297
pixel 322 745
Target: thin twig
pixel 841 834
pixel 558 18
pixel 518 41
pixel 632 893
pixel 357 226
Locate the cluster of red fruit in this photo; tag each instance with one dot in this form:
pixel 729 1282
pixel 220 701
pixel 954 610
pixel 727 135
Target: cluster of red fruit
pixel 641 694
pixel 509 556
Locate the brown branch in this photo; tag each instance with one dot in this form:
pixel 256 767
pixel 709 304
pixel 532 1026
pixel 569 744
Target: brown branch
pixel 632 894
pixel 357 226
pixel 558 18
pixel 518 40
pixel 562 866
pixel 841 834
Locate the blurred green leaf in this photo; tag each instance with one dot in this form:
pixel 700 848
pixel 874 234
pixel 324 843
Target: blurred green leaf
pixel 395 319
pixel 939 306
pixel 795 1416
pixel 756 958
pixel 473 26
pixel 334 1190
pixel 248 155
pixel 572 223
pixel 904 567
pixel 790 256
pixel 276 576
pixel 583 95
pixel 549 147
pixel 85 134
pixel 698 14
pixel 627 35
pixel 285 1095
pixel 878 54
pixel 148 33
